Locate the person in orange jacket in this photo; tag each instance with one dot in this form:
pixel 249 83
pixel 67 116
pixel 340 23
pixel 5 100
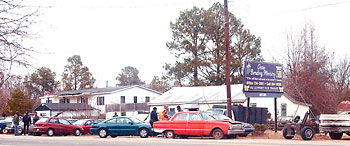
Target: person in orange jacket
pixel 163 115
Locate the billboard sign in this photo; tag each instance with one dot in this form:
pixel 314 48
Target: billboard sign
pixel 262 77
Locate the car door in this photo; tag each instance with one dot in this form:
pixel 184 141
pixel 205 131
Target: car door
pixel 111 126
pixel 87 126
pixel 67 127
pixel 178 124
pixel 126 126
pixel 194 124
pixel 53 123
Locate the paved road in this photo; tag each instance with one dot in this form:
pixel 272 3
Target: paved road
pixel 10 140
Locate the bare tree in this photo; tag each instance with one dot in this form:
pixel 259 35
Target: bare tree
pixel 15 20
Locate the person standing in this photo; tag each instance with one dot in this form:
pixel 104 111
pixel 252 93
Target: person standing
pixel 163 115
pixel 35 118
pixel 27 121
pixel 16 122
pixel 115 114
pixel 154 116
pixel 178 108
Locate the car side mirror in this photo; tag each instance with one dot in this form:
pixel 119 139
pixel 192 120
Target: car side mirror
pixel 131 123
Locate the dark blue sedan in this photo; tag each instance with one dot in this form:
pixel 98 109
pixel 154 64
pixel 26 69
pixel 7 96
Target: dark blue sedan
pixel 121 126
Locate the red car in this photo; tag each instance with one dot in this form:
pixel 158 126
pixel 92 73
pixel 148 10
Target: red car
pixel 53 125
pixel 86 124
pixel 196 123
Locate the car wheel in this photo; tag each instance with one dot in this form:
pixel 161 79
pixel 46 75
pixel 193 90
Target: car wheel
pixel 77 132
pixel 307 133
pixel 113 136
pixel 335 135
pixel 169 134
pixel 144 133
pixel 102 133
pixel 285 133
pixel 5 131
pixel 50 132
pixel 217 134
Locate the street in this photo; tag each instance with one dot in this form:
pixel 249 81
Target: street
pixel 10 140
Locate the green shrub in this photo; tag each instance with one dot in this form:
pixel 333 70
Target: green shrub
pixel 259 129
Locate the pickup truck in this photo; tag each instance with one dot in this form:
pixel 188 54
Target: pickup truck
pixel 335 124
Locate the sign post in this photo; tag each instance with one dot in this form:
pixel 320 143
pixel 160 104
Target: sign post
pixel 263 79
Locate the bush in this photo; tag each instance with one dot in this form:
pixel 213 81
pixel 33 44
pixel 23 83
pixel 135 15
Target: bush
pixel 259 129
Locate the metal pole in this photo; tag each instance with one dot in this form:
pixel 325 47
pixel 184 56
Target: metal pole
pixel 247 111
pixel 275 114
pixel 227 50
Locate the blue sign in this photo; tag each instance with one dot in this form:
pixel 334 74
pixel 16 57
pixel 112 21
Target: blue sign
pixel 262 77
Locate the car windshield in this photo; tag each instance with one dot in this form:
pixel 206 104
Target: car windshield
pixel 42 120
pixel 207 116
pixel 79 122
pixel 222 117
pixel 136 120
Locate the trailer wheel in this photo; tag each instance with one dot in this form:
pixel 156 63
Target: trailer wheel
pixel 335 135
pixel 307 133
pixel 288 136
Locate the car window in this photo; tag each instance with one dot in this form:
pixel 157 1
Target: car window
pixel 42 120
pixel 194 117
pixel 64 122
pixel 182 116
pixel 111 121
pixel 88 122
pixel 53 120
pixel 123 121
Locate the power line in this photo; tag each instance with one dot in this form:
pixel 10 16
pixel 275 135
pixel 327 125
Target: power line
pixel 325 5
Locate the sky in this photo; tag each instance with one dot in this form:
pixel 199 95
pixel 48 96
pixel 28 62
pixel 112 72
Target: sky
pixel 112 34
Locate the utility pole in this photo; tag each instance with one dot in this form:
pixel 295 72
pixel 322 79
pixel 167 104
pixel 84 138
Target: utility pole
pixel 227 50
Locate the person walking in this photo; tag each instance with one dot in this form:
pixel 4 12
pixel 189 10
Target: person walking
pixel 35 118
pixel 178 108
pixel 154 116
pixel 27 120
pixel 16 122
pixel 163 115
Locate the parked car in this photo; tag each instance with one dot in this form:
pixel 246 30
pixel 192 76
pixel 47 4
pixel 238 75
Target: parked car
pixel 53 125
pixel 86 124
pixel 198 123
pixel 4 123
pixel 10 127
pixel 121 126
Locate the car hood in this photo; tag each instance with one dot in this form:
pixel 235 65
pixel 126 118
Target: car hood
pixel 231 122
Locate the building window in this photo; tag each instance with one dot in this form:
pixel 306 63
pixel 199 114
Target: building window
pixel 67 100
pixel 124 113
pixel 78 100
pixel 283 109
pixel 63 100
pixel 122 99
pixel 48 101
pixel 84 100
pixel 147 99
pixel 135 99
pixel 101 100
pixel 252 105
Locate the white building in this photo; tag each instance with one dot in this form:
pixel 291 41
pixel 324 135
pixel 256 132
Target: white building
pixel 125 100
pixel 204 97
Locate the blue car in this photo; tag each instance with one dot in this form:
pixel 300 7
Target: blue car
pixel 121 126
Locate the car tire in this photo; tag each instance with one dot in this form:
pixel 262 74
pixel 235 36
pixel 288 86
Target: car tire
pixel 144 133
pixel 77 132
pixel 335 136
pixel 20 130
pixel 288 136
pixel 102 133
pixel 169 134
pixel 217 134
pixel 50 132
pixel 307 133
pixel 113 136
pixel 5 131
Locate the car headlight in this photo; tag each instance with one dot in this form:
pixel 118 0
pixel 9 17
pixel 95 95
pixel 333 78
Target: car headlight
pixel 236 126
pixel 247 125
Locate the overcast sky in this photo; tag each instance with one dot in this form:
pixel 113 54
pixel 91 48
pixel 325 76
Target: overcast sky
pixel 112 34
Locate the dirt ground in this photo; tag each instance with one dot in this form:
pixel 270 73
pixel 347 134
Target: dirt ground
pixel 269 134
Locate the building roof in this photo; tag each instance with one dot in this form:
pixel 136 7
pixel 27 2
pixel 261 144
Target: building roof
pixel 200 94
pixel 63 107
pixel 98 91
pixel 343 106
pixel 206 94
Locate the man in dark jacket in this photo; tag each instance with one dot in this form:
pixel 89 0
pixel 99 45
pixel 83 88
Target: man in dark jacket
pixel 154 116
pixel 35 118
pixel 27 120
